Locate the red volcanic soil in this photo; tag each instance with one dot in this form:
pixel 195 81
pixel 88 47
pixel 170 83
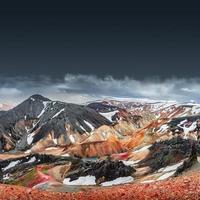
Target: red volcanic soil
pixel 178 188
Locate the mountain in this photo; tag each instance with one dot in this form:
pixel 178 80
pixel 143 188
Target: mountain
pixel 159 109
pixel 29 109
pixel 38 117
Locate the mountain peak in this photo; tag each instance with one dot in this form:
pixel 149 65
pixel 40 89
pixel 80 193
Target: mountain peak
pixel 38 97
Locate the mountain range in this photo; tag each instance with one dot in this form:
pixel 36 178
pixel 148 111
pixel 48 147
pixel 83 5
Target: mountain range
pixel 44 142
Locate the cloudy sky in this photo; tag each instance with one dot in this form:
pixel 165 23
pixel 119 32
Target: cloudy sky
pixel 82 50
pixel 84 88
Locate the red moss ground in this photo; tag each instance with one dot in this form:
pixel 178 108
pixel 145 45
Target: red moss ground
pixel 178 188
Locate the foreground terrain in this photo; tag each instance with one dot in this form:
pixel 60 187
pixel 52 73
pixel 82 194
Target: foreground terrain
pixel 186 187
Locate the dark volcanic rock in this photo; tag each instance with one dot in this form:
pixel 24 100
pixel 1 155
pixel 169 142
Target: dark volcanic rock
pixel 77 116
pixel 30 108
pixel 25 112
pixel 61 118
pixel 169 152
pixel 104 170
pixel 44 116
pixel 102 107
pixel 17 166
pixel 188 163
pixel 174 123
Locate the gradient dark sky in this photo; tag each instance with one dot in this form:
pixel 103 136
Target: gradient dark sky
pixel 137 40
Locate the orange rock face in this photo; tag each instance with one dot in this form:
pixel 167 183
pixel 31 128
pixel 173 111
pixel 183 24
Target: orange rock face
pixel 97 148
pixel 183 188
pixel 136 139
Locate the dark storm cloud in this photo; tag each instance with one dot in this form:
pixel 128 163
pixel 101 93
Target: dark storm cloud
pixel 83 88
pixel 139 40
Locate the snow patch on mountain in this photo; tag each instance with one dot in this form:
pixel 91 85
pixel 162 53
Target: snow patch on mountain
pixel 90 125
pixel 58 113
pixel 142 149
pixel 117 181
pixel 82 180
pixel 170 167
pixel 45 103
pixel 166 175
pixel 163 128
pixel 109 115
pixel 11 164
pixel 30 138
pixel 72 139
pixel 33 159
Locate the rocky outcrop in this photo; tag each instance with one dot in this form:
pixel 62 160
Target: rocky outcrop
pixel 102 107
pixel 189 162
pixel 168 152
pixel 103 170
